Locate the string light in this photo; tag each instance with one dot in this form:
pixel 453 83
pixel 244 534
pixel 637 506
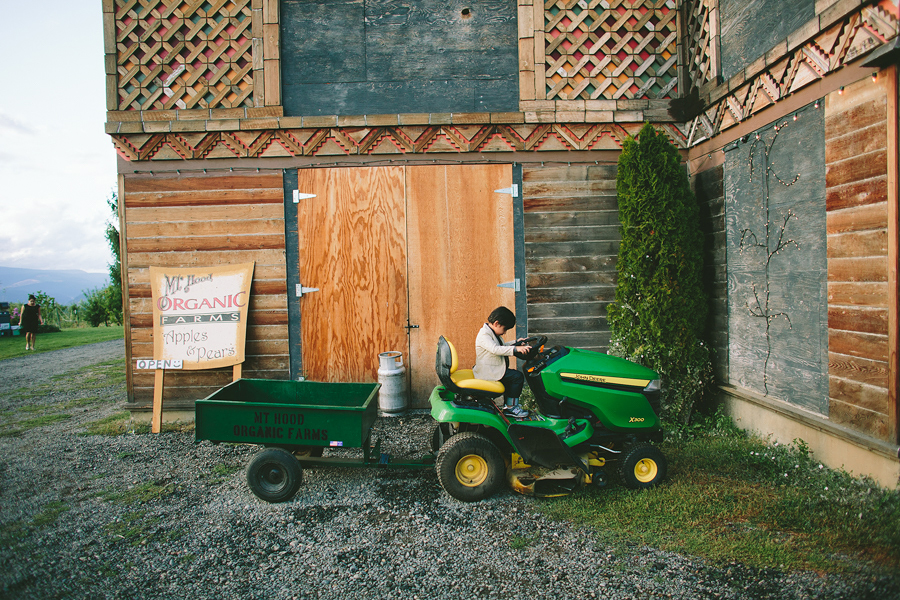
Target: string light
pixel 760 307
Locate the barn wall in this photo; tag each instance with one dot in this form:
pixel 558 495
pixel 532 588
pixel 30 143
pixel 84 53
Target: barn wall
pixel 856 135
pixel 708 187
pixel 198 220
pixel 389 57
pixel 777 265
pixel 571 244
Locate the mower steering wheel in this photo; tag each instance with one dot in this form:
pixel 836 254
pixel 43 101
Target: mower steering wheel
pixel 536 342
pixel 529 341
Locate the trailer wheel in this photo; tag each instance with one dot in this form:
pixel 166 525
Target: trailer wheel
pixel 470 467
pixel 643 466
pixel 274 475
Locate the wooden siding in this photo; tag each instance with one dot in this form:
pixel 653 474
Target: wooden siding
pixel 571 244
pixel 709 189
pixel 198 220
pixel 859 298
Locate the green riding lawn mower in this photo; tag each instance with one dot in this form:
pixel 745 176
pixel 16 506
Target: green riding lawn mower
pixel 594 412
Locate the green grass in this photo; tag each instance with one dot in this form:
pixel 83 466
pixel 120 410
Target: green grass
pixel 12 346
pixel 731 497
pixel 50 514
pixel 115 424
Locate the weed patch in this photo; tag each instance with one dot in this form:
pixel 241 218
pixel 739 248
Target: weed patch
pixel 49 515
pixel 115 424
pixel 140 494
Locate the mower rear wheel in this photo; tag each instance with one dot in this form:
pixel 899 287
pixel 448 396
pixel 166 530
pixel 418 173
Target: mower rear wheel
pixel 274 475
pixel 470 467
pixel 643 466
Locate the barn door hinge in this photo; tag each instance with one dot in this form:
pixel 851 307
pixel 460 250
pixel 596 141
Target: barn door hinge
pixel 298 196
pixel 514 285
pixel 514 190
pixel 304 290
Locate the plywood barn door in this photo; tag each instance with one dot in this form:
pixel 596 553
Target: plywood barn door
pixel 460 249
pixel 352 246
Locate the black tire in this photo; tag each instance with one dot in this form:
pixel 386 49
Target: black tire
pixel 440 435
pixel 469 467
pixel 643 466
pixel 274 475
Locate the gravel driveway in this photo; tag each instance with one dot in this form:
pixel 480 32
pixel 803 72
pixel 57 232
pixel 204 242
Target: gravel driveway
pixel 158 516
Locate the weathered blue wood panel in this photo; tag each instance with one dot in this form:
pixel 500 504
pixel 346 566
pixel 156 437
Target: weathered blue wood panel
pixel 777 265
pixel 750 28
pixel 352 57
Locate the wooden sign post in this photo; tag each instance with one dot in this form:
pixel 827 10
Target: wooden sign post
pixel 199 321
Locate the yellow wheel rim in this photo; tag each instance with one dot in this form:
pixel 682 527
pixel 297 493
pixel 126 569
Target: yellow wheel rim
pixel 471 470
pixel 645 470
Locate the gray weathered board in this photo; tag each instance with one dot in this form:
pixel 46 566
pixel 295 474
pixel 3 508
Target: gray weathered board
pixel 751 28
pixel 355 57
pixel 797 369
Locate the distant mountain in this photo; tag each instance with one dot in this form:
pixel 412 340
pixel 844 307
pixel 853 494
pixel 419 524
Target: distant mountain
pixel 66 286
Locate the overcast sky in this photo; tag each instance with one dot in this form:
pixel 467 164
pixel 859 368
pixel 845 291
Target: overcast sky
pixel 57 166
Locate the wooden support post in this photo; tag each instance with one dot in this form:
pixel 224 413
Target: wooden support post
pixel 156 423
pixel 236 373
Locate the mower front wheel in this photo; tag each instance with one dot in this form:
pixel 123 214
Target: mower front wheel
pixel 643 466
pixel 470 467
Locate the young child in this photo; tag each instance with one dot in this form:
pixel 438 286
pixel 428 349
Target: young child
pixel 492 359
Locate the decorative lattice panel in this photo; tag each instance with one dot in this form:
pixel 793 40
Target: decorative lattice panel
pixel 179 54
pixel 610 49
pixel 700 43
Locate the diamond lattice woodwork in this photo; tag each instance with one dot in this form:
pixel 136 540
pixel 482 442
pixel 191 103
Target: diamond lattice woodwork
pixel 177 54
pixel 700 43
pixel 610 49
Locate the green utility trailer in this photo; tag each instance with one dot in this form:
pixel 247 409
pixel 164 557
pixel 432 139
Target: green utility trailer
pixel 295 421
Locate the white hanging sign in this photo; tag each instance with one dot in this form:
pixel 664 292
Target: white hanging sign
pixel 200 314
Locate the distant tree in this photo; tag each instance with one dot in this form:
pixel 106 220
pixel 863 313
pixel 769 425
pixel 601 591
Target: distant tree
pixel 94 308
pixel 113 297
pixel 49 307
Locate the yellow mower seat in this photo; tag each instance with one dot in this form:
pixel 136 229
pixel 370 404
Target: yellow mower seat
pixel 461 380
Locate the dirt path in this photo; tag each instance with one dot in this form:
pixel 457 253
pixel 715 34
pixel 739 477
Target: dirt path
pixel 40 367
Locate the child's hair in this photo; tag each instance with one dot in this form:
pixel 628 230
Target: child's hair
pixel 504 316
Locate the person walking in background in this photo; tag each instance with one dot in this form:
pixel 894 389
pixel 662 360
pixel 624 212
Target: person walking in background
pixel 30 320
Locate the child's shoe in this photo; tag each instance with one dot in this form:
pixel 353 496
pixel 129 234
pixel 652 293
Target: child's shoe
pixel 515 411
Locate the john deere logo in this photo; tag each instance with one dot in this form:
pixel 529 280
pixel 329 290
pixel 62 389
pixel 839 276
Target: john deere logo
pixel 585 377
pixel 605 380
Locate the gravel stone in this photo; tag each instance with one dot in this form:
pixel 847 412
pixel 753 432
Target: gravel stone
pixel 160 516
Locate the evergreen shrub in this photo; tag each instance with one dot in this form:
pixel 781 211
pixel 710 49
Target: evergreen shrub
pixel 660 311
